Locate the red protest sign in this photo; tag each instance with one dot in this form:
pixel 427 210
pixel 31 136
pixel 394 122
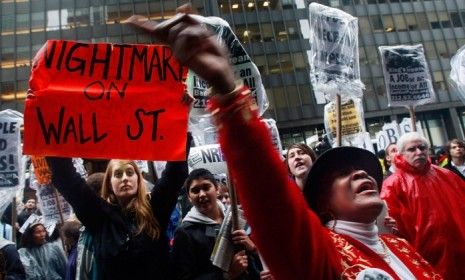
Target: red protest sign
pixel 106 101
pixel 41 170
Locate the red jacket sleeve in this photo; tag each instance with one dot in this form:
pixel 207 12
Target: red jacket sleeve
pixel 289 235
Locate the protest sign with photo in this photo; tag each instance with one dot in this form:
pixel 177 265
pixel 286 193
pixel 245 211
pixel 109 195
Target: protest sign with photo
pixel 106 101
pixel 352 120
pixel 10 148
pixel 406 74
pixel 245 70
pixel 334 65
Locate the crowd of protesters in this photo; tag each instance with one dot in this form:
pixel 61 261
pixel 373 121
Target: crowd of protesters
pixel 314 217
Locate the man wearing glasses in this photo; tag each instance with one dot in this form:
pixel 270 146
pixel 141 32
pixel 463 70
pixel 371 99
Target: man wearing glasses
pixel 428 204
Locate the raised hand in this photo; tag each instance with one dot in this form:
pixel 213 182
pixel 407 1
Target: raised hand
pixel 194 46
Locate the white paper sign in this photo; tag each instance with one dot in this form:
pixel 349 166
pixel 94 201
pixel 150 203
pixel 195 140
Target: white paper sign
pixel 49 207
pixel 406 74
pixel 406 126
pixel 334 65
pixel 209 157
pixel 245 70
pixel 10 145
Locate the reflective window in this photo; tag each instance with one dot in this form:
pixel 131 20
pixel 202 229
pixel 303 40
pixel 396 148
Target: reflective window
pixel 430 51
pixel 455 18
pixel 376 23
pixel 7 23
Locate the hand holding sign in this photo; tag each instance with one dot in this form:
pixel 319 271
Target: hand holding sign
pixel 194 46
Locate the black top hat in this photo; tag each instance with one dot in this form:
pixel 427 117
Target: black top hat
pixel 337 159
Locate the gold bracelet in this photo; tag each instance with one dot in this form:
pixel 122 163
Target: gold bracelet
pixel 225 98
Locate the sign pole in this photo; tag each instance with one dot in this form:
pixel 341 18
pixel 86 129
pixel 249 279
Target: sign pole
pixel 13 218
pixel 338 121
pixel 234 207
pixel 413 118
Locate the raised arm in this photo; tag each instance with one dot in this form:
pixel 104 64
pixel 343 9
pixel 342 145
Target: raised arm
pixel 165 192
pixel 87 205
pixel 288 234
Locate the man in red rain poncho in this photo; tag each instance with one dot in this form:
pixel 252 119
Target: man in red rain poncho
pixel 428 204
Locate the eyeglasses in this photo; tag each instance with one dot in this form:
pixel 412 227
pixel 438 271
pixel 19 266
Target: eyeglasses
pixel 421 147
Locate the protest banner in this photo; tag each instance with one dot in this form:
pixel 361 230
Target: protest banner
pixel 209 157
pixel 245 70
pixel 406 74
pixel 457 73
pixel 106 101
pixel 352 121
pixel 10 145
pixel 407 78
pixel 334 65
pixel 391 132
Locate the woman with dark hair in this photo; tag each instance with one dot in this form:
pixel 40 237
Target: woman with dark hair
pixel 41 259
pixel 299 160
pixel 342 185
pixel 126 225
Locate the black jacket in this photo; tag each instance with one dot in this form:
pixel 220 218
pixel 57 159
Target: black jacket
pixel 454 169
pixel 11 263
pixel 193 245
pixel 121 254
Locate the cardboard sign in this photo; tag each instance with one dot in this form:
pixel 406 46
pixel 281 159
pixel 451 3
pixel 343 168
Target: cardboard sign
pixel 10 143
pixel 334 65
pixel 406 74
pixel 106 101
pixel 352 121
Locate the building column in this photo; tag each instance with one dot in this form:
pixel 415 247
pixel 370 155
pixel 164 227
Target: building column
pixel 456 124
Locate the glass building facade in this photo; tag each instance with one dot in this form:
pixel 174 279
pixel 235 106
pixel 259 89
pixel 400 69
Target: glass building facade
pixel 275 33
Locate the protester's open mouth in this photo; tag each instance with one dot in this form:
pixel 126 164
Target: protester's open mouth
pixel 298 164
pixel 365 188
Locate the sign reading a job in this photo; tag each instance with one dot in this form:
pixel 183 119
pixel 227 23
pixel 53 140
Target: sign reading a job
pixel 106 101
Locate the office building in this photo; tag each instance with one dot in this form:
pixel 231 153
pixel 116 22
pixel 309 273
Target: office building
pixel 274 34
